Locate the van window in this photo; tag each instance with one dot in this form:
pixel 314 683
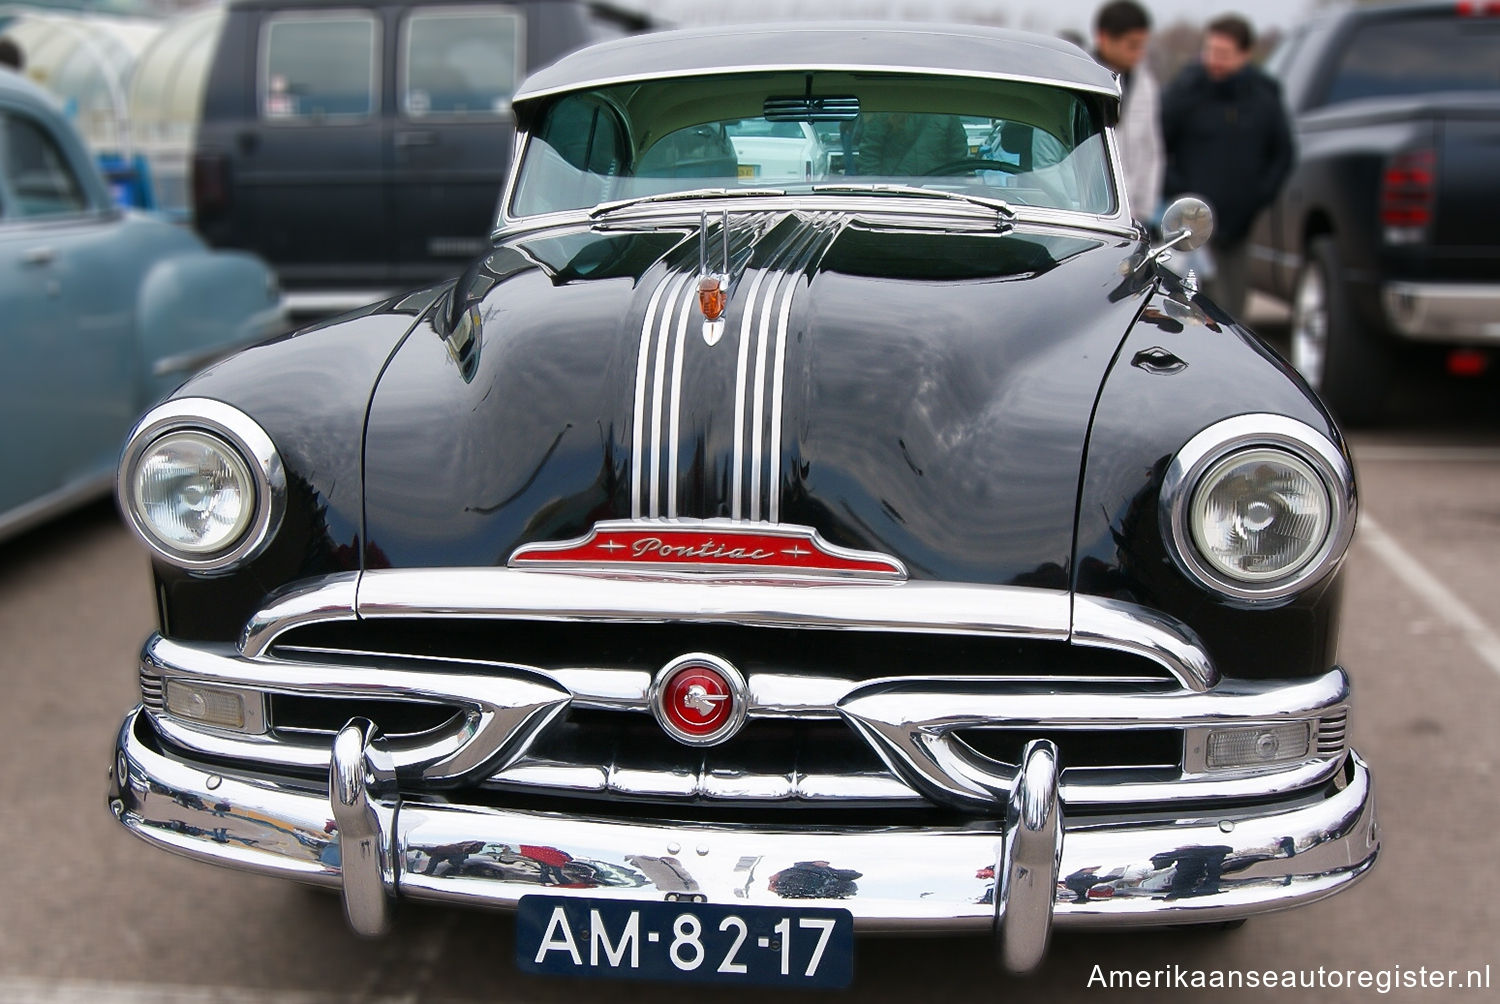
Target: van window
pixel 36 170
pixel 460 62
pixel 318 68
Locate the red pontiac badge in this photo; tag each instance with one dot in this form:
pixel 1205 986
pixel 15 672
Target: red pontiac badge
pixel 699 699
pixel 708 546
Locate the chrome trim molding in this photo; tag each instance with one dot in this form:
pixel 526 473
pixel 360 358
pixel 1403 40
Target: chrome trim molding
pixel 502 715
pixel 1293 851
pixel 1248 432
pixel 1031 853
pixel 331 598
pixel 914 606
pixel 1099 622
pixel 240 432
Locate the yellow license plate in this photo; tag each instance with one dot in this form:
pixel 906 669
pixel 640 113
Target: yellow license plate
pixel 749 171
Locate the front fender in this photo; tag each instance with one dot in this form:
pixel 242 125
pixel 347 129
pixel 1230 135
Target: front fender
pixel 198 307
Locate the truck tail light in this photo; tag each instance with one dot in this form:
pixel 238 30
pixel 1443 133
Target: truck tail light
pixel 1406 195
pixel 210 186
pixel 1479 8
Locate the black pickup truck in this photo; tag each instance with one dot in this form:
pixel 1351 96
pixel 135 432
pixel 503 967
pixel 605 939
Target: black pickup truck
pixel 1386 239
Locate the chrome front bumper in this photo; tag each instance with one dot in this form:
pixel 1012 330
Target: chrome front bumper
pixel 360 834
pixel 1444 311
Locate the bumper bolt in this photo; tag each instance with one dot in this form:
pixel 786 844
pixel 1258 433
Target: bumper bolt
pixel 1226 825
pixel 212 784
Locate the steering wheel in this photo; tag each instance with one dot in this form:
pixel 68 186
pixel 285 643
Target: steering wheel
pixel 966 165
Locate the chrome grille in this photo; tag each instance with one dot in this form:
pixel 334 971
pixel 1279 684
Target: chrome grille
pixel 626 754
pixel 1331 734
pixel 153 691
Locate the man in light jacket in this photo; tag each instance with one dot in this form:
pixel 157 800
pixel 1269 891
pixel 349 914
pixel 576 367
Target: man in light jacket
pixel 1120 32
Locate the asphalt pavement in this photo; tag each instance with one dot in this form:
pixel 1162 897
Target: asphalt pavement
pixel 88 913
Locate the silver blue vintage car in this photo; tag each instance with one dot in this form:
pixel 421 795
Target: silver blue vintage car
pixel 102 312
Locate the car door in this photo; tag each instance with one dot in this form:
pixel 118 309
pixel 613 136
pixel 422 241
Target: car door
pixel 311 162
pixel 457 68
pixel 68 368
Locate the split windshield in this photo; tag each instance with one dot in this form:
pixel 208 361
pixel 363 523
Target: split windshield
pixel 1028 144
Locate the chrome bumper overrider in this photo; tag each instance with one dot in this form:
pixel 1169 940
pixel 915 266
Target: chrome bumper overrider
pixel 1143 868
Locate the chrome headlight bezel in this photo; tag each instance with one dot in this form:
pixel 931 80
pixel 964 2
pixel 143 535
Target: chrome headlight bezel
pixel 244 437
pixel 1247 434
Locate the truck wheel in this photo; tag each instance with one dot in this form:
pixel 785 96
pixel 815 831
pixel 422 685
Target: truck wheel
pixel 1349 368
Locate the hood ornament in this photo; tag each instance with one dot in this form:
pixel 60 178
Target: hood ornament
pixel 713 287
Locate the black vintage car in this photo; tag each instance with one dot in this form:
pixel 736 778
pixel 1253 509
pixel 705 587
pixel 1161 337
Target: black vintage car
pixel 1384 237
pixel 716 567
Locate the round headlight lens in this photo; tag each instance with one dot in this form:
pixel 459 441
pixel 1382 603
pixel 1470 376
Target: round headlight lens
pixel 1260 515
pixel 193 492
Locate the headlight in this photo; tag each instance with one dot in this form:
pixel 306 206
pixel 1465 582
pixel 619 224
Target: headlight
pixel 192 492
pixel 1258 507
pixel 201 483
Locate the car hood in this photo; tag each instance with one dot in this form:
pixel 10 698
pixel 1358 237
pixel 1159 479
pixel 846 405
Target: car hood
pixel 922 393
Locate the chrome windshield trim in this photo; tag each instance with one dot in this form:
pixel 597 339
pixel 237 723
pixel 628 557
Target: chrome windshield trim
pixel 524 96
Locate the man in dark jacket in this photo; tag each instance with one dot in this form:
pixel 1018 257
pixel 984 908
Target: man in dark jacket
pixel 1227 140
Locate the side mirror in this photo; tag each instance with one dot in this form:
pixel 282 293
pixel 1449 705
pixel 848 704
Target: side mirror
pixel 1187 224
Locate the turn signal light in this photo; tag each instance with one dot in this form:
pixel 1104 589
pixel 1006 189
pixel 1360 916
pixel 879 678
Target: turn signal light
pixel 1258 745
pixel 225 709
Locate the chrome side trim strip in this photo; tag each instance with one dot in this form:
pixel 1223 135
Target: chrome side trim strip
pixel 668 466
pixel 658 381
pixel 642 366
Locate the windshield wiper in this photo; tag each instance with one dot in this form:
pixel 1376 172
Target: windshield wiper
pixel 998 205
pixel 693 193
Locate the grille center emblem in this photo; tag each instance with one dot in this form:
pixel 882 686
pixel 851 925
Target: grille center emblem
pixel 698 699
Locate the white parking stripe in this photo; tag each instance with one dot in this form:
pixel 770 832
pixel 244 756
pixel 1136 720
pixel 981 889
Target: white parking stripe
pixel 1445 603
pixel 1428 454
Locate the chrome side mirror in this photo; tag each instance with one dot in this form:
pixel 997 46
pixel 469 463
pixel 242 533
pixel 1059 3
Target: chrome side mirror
pixel 1187 224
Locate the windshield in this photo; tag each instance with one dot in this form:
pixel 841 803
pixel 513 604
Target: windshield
pixel 1027 144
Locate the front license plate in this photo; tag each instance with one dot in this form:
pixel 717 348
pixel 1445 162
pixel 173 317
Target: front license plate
pixel 748 171
pixel 697 942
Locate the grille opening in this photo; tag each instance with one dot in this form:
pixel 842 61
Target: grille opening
pixel 1083 747
pixel 762 746
pixel 857 655
pixel 326 715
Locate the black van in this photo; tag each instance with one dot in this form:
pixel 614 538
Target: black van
pixel 359 147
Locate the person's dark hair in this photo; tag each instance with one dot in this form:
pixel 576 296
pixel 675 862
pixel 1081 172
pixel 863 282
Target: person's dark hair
pixel 10 55
pixel 1235 28
pixel 1120 17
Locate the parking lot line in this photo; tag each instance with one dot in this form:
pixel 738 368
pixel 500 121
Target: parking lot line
pixel 1444 602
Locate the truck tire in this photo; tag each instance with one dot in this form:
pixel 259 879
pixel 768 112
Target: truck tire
pixel 1351 369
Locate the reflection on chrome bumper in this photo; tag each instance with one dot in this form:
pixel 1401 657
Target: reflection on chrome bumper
pixel 1112 871
pixel 1444 311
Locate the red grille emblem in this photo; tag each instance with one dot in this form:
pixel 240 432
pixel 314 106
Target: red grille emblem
pixel 699 699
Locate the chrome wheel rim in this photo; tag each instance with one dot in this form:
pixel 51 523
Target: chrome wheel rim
pixel 1310 325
